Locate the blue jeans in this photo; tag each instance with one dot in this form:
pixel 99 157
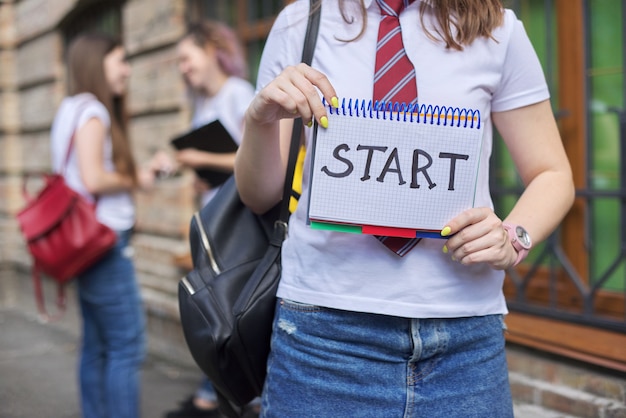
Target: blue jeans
pixel 332 363
pixel 113 336
pixel 206 391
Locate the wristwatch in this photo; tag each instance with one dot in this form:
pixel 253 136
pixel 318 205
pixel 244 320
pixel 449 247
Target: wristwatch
pixel 519 239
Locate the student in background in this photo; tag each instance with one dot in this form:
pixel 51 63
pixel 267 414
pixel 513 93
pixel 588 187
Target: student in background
pixel 360 330
pixel 211 61
pixel 102 168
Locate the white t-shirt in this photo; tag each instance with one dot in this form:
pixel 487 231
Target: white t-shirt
pixel 228 106
pixel 356 272
pixel 116 210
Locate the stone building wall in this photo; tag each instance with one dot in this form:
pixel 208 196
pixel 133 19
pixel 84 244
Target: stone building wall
pixel 33 83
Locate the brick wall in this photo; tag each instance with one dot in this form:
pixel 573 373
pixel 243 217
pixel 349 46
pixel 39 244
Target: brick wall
pixel 33 83
pixel 159 110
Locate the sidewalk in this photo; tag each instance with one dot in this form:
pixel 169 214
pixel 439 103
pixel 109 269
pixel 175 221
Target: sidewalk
pixel 38 367
pixel 38 363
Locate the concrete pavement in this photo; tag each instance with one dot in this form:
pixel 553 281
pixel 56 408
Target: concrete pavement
pixel 38 364
pixel 38 372
pixel 38 361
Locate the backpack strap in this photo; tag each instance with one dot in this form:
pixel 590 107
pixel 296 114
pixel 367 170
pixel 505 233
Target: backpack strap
pixel 79 111
pixel 61 303
pixel 308 50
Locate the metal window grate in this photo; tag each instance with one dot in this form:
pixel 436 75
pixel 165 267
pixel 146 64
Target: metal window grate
pixel 88 16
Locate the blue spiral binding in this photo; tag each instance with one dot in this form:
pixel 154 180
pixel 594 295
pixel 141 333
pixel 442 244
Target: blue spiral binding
pixel 408 112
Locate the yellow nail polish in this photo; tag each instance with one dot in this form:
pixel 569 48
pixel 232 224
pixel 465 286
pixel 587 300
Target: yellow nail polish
pixel 445 249
pixel 309 123
pixel 335 102
pixel 324 122
pixel 446 231
pixel 453 259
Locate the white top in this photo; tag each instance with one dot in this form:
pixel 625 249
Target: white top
pixel 356 272
pixel 228 106
pixel 116 210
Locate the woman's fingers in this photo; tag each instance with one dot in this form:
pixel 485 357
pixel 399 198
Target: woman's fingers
pixel 468 217
pixel 477 236
pixel 294 93
pixel 313 82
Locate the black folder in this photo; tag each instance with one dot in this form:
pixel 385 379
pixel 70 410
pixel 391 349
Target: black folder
pixel 212 137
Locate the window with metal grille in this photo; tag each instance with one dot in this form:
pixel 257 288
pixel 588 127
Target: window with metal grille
pixel 104 16
pixel 574 284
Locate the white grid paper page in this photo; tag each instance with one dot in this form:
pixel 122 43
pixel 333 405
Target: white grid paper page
pixel 390 200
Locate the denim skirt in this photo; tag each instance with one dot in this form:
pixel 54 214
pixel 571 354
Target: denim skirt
pixel 333 363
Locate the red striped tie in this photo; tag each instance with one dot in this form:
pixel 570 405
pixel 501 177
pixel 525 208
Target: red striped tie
pixel 394 81
pixel 394 77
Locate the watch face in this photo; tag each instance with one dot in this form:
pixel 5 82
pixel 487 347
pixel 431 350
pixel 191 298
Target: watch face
pixel 523 237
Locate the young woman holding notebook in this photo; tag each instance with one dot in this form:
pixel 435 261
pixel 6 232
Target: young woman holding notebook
pixel 359 329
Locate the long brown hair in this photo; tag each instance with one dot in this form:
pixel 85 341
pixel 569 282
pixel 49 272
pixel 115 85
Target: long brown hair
pixel 470 19
pixel 85 59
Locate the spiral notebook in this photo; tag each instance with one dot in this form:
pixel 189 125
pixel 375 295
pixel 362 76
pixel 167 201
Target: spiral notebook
pixel 393 169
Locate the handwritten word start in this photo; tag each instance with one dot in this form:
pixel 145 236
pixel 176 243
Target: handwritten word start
pixel 421 162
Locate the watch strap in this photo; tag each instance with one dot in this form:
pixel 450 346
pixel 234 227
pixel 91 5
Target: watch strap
pixel 521 251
